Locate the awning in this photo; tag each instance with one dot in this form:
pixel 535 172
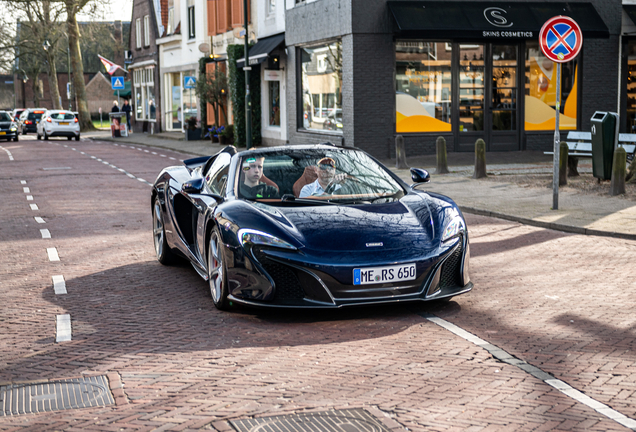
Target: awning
pixel 464 20
pixel 259 52
pixel 631 12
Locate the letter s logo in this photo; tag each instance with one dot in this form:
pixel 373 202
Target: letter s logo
pixel 494 17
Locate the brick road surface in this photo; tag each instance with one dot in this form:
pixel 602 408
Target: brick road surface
pixel 558 301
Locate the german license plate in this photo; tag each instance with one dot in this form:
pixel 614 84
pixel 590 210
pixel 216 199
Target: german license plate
pixel 64 123
pixel 3 133
pixel 386 274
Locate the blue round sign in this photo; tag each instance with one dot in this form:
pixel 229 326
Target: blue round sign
pixel 560 39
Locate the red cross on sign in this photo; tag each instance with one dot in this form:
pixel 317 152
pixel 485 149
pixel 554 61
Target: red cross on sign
pixel 560 39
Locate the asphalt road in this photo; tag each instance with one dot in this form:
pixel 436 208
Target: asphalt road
pixel 561 303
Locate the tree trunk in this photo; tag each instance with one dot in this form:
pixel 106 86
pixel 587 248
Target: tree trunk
pixel 54 90
pixel 78 68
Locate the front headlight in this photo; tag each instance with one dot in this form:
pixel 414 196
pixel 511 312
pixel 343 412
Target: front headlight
pixel 255 237
pixel 453 228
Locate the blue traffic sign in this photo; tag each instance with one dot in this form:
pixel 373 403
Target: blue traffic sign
pixel 189 82
pixel 117 83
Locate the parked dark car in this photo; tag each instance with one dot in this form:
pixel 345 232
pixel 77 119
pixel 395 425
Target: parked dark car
pixel 8 127
pixel 29 120
pixel 333 120
pixel 365 237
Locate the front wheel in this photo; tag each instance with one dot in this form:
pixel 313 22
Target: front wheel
pixel 164 255
pixel 217 272
pixel 16 139
pixel 46 137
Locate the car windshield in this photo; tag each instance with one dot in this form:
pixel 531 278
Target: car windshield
pixel 37 115
pixel 5 117
pixel 315 176
pixel 62 116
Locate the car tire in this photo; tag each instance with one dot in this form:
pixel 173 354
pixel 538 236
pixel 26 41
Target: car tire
pixel 16 139
pixel 70 138
pixel 164 254
pixel 23 132
pixel 217 272
pixel 39 137
pixel 76 138
pixel 46 137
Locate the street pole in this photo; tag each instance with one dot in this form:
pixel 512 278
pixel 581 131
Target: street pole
pixel 557 142
pixel 248 97
pixel 68 92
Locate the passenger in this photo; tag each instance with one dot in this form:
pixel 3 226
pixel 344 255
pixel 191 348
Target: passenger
pixel 326 176
pixel 252 187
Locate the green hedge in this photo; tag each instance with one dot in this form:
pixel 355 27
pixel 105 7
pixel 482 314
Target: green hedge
pixel 237 93
pixel 204 107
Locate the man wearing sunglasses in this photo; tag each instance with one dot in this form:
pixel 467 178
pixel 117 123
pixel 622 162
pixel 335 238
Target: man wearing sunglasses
pixel 326 177
pixel 252 187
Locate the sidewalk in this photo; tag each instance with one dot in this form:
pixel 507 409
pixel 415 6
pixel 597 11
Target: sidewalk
pixel 578 213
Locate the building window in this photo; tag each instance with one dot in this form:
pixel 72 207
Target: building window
pixel 190 102
pixel 540 89
pixel 138 32
pixel 271 6
pixel 145 107
pixel 423 86
pixel 321 87
pixel 147 30
pixel 191 23
pixel 170 29
pixel 630 90
pixel 274 103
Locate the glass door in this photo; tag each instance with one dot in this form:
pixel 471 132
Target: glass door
pixel 503 99
pixel 471 95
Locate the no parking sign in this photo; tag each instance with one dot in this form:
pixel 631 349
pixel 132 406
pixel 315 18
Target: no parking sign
pixel 560 39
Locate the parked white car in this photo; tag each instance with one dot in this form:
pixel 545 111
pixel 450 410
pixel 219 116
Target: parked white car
pixel 58 123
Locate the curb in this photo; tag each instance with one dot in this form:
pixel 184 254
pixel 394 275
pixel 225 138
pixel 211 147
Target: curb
pixel 548 225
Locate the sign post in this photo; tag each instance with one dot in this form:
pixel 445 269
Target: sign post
pixel 560 40
pixel 189 82
pixel 117 83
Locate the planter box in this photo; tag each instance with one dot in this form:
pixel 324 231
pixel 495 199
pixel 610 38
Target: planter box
pixel 193 135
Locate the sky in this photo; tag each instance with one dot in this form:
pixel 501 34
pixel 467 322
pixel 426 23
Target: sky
pixel 113 10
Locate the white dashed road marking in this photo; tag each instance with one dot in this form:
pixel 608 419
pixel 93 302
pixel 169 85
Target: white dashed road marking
pixel 59 285
pixel 561 386
pixel 63 328
pixel 52 253
pixel 26 190
pixel 45 233
pixel 29 197
pixel 34 207
pixel 22 181
pixel 38 219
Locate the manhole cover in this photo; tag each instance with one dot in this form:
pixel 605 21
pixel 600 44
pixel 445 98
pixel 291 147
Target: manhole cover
pixel 354 420
pixel 18 399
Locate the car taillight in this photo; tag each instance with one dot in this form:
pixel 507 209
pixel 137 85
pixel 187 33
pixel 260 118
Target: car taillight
pixel 27 122
pixel 75 120
pixel 48 119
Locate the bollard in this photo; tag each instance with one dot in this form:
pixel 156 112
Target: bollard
pixel 400 154
pixel 442 163
pixel 563 163
pixel 480 159
pixel 619 164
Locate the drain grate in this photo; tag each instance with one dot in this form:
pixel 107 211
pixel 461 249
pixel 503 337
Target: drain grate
pixel 353 420
pixel 18 399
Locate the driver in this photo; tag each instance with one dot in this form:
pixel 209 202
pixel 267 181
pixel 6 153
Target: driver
pixel 326 176
pixel 253 187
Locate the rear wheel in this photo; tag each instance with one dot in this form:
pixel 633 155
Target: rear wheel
pixel 46 137
pixel 76 138
pixel 217 272
pixel 164 255
pixel 70 138
pixel 39 137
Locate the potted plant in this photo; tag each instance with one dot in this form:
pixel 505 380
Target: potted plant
pixel 192 132
pixel 226 136
pixel 213 134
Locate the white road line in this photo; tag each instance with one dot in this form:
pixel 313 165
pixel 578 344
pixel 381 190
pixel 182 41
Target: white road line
pixel 38 219
pixel 93 157
pixel 22 181
pixel 29 197
pixel 26 190
pixel 154 153
pixel 130 175
pixel 8 153
pixel 146 151
pixel 45 233
pixel 171 158
pixel 52 253
pixel 142 180
pixel 163 155
pixel 34 207
pixel 63 328
pixel 561 386
pixel 59 285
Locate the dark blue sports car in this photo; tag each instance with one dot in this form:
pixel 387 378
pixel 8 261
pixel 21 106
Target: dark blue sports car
pixel 309 226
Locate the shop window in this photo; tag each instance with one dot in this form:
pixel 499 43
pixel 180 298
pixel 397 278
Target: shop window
pixel 540 92
pixel 274 103
pixel 189 101
pixel 630 113
pixel 145 108
pixel 321 87
pixel 423 86
pixel 471 88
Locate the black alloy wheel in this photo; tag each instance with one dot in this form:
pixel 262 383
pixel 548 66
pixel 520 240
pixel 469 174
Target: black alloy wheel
pixel 164 255
pixel 217 272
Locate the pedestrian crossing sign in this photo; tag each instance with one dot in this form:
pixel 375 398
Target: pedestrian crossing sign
pixel 189 82
pixel 117 83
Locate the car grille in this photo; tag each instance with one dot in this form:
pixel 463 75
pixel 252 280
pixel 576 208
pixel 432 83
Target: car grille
pixel 285 280
pixel 451 269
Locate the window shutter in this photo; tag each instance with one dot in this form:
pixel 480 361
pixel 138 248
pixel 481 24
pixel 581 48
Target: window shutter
pixel 212 17
pixel 209 69
pixel 237 13
pixel 222 17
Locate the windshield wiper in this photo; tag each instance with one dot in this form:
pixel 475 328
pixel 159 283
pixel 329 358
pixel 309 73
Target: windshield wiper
pixel 289 198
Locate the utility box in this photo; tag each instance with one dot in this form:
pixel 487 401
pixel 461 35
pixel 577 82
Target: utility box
pixel 603 125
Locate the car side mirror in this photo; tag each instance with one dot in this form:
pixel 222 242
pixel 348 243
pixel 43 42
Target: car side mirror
pixel 419 175
pixel 193 186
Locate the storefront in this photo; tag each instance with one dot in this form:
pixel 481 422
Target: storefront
pixel 180 102
pixel 462 70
